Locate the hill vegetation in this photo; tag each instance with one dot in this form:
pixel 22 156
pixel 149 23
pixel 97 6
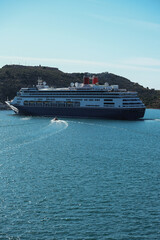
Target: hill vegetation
pixel 13 77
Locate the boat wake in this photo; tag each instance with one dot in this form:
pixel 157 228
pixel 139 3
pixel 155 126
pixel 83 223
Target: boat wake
pixel 53 121
pixel 54 127
pixel 30 136
pixel 25 118
pixel 151 119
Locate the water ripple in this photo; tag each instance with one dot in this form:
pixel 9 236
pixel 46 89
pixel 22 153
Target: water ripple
pixel 79 179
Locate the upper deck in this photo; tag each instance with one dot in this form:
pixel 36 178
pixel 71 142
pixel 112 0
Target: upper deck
pixel 85 88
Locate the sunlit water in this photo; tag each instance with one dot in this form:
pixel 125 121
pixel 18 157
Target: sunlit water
pixel 79 178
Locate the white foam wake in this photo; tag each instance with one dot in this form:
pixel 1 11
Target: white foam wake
pixel 25 118
pixel 58 122
pixel 44 132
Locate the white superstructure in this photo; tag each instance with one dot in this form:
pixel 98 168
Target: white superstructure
pixel 78 96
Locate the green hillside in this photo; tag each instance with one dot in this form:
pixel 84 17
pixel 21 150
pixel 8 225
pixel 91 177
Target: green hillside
pixel 13 77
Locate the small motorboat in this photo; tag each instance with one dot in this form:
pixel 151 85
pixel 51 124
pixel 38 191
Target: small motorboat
pixel 55 119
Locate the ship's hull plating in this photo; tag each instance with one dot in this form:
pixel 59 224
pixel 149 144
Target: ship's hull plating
pixel 110 113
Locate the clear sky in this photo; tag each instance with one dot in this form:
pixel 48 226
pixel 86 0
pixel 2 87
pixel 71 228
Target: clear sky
pixel 117 36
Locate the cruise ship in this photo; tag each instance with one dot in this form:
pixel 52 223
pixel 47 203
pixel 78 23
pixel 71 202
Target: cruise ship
pixel 88 100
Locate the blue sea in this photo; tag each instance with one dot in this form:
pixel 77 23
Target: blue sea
pixel 79 178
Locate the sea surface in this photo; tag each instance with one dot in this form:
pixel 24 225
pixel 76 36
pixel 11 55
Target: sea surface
pixel 79 178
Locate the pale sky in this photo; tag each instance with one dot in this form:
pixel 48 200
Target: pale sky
pixel 116 36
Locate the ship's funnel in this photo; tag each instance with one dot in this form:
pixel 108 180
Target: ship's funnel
pixel 86 80
pixel 94 80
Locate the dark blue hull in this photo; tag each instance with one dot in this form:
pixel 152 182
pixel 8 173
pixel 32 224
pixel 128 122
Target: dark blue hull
pixel 108 113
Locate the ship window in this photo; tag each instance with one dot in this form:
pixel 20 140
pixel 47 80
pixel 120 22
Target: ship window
pixel 130 99
pixel 108 100
pixel 92 105
pixel 131 103
pixel 46 104
pixel 69 104
pixel 38 103
pixel 77 104
pixel 31 103
pixel 109 104
pixel 61 104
